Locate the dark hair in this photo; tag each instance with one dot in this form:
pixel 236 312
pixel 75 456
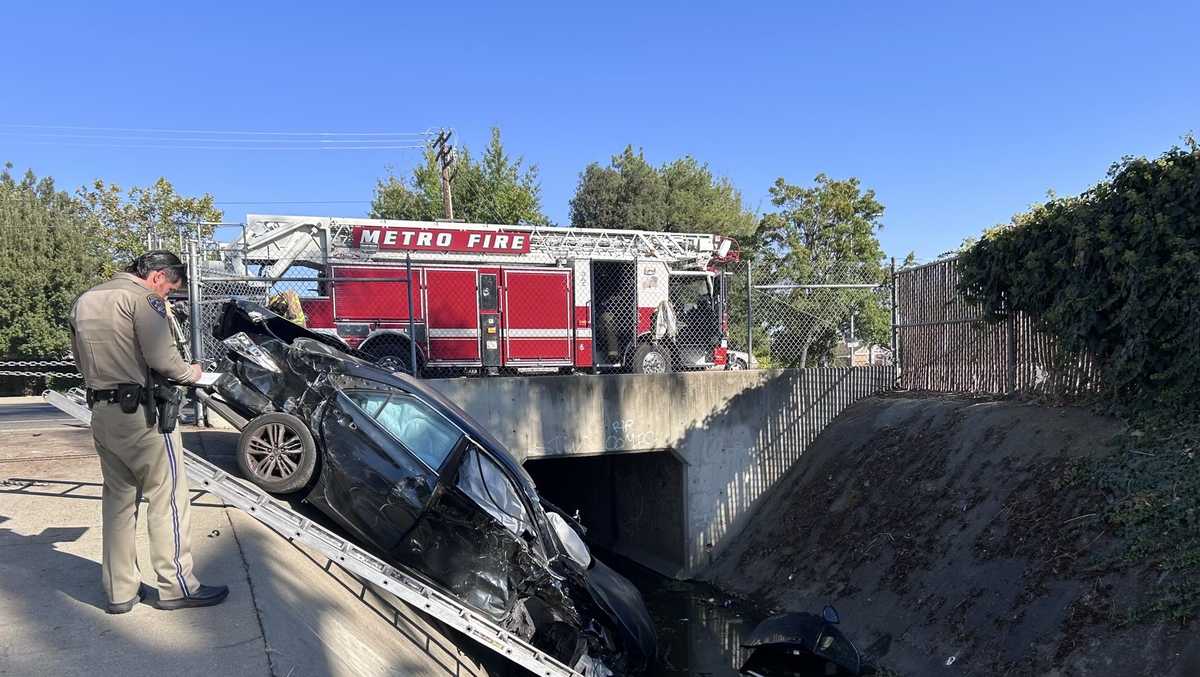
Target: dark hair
pixel 159 259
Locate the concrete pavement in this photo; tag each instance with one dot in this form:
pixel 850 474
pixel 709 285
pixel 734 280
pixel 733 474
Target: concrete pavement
pixel 288 612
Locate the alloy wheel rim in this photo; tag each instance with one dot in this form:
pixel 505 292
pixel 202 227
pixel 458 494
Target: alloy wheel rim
pixel 653 363
pixel 275 451
pixel 391 363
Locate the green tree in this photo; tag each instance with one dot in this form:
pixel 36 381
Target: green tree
pixel 682 196
pixel 494 189
pixel 51 250
pixel 129 219
pixel 822 234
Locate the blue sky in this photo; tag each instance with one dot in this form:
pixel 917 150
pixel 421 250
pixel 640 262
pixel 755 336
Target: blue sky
pixel 957 114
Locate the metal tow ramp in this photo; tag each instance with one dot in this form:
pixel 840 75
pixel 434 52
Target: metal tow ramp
pixel 297 528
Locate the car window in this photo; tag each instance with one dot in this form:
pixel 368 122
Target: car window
pixel 422 430
pixel 480 478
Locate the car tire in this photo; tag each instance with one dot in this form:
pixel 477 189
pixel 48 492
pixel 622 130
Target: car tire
pixel 393 355
pixel 739 364
pixel 651 358
pixel 276 452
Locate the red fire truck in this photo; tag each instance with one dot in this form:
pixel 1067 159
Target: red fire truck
pixel 487 298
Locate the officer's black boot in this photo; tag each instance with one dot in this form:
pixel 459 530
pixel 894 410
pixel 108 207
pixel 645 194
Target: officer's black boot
pixel 126 607
pixel 207 595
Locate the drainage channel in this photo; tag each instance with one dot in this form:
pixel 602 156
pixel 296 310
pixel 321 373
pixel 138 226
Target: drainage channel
pixel 700 628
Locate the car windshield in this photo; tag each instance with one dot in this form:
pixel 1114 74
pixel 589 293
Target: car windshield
pixel 422 430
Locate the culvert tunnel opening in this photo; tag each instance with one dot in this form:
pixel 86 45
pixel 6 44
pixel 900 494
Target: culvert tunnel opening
pixel 632 504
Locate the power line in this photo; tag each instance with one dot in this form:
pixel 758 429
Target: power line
pixel 235 148
pixel 201 139
pixel 291 202
pixel 151 130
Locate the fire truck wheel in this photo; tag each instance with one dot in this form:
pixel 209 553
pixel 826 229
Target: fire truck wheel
pixel 276 452
pixel 650 358
pixel 392 355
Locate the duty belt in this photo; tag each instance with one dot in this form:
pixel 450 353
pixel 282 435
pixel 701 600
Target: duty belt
pixel 112 395
pixel 102 395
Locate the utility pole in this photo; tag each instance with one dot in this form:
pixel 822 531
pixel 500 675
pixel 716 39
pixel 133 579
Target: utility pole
pixel 445 157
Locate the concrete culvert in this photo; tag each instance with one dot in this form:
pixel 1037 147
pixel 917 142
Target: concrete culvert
pixel 631 504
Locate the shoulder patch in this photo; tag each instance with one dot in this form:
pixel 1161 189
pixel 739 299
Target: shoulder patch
pixel 157 304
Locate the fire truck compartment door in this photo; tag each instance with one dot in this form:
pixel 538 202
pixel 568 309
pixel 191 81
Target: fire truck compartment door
pixel 453 317
pixel 489 320
pixel 537 317
pixel 374 294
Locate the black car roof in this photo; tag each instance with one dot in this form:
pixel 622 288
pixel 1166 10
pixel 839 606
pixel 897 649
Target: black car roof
pixel 241 315
pixel 461 418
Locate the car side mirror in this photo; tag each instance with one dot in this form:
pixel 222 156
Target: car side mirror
pixel 830 615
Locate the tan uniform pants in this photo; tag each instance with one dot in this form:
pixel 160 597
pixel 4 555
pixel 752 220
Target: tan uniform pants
pixel 139 461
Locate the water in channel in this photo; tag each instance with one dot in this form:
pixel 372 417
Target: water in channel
pixel 700 628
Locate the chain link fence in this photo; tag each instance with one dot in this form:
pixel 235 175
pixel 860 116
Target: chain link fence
pixel 479 316
pixel 602 316
pixel 948 345
pixel 835 315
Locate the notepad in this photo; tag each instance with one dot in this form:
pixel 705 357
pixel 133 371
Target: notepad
pixel 209 378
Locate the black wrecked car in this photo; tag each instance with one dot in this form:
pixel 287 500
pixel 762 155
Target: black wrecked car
pixel 411 475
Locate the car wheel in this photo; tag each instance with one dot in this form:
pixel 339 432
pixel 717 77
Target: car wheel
pixel 392 355
pixel 393 363
pixel 651 359
pixel 276 452
pixel 738 364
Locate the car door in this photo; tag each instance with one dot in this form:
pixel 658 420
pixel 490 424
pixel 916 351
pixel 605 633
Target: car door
pixel 383 450
pixel 478 538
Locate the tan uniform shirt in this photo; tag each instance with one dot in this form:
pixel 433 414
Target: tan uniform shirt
pixel 118 329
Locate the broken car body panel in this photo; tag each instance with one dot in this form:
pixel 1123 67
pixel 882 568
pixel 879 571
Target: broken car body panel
pixel 799 644
pixel 410 473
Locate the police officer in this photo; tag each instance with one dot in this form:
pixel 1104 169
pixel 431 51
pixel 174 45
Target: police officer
pixel 120 334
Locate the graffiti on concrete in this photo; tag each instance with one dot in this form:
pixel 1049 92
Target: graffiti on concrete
pixel 624 435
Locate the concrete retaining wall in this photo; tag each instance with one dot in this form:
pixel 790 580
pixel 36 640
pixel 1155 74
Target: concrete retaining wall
pixel 735 434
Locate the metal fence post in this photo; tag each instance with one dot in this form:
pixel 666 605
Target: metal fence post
pixel 412 334
pixel 895 346
pixel 749 312
pixel 1011 340
pixel 194 319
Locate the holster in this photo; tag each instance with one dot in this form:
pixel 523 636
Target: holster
pixel 148 401
pixel 167 400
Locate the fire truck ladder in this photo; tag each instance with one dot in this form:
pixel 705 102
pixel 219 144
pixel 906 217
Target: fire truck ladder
pixel 276 242
pixel 297 528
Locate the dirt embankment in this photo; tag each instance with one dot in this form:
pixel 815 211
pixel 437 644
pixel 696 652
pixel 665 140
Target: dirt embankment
pixel 963 529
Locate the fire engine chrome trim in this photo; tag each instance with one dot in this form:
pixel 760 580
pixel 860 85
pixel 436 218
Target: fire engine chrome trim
pixel 535 332
pixel 453 333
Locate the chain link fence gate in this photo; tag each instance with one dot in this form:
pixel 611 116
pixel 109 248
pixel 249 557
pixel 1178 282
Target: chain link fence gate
pixel 833 315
